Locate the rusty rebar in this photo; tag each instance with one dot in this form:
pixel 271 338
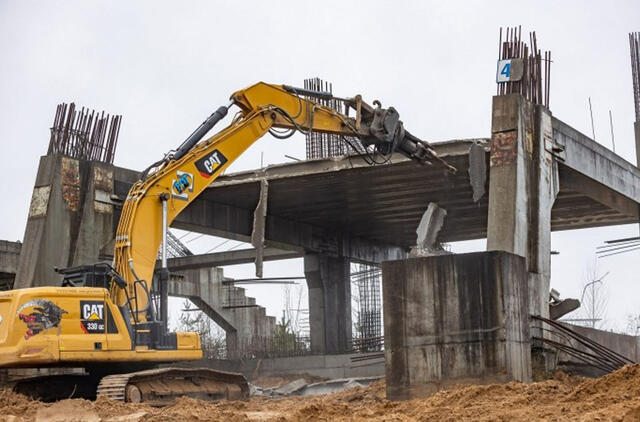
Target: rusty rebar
pixel 535 83
pixel 634 46
pixel 84 134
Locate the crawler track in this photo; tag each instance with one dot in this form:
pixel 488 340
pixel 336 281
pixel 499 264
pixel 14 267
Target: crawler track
pixel 160 386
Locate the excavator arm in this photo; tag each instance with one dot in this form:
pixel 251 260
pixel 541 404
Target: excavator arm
pixel 174 182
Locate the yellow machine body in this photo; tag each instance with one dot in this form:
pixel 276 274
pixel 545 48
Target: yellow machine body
pixel 73 326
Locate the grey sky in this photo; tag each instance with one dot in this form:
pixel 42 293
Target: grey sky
pixel 166 65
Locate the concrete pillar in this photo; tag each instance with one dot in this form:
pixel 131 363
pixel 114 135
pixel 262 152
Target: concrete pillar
pixel 70 219
pixel 451 319
pixel 329 283
pixel 523 186
pixel 636 129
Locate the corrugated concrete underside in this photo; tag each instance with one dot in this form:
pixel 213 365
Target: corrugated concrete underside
pixel 385 203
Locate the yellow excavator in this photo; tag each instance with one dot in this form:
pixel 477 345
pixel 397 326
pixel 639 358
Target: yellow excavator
pixel 111 320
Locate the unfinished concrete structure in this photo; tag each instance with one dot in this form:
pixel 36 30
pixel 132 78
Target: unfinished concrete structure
pixel 533 175
pixel 333 211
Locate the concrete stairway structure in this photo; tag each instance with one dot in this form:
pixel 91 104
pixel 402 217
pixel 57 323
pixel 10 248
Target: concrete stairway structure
pixel 247 326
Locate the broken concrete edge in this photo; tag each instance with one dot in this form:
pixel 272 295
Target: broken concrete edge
pixel 430 224
pixel 324 165
pixel 259 223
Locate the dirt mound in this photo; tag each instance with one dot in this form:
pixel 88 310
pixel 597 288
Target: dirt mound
pixel 615 397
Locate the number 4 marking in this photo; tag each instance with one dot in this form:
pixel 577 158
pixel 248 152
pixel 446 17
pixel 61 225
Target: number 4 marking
pixel 506 70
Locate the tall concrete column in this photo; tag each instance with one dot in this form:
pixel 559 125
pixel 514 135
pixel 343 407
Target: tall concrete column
pixel 522 189
pixel 636 129
pixel 328 280
pixel 70 219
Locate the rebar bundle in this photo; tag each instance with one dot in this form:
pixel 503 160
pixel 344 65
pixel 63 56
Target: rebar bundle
pixel 634 45
pixel 369 325
pixel 535 82
pixel 581 347
pixel 84 134
pixel 324 145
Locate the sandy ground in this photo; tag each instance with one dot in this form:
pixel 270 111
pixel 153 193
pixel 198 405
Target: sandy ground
pixel 615 397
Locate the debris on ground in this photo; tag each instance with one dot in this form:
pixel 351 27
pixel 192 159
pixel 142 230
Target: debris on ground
pixel 300 387
pixel 614 397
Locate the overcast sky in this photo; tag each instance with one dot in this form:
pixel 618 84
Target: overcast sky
pixel 166 65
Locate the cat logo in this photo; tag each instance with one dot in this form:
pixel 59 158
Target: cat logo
pixel 208 165
pixel 93 310
pixel 182 185
pixel 92 316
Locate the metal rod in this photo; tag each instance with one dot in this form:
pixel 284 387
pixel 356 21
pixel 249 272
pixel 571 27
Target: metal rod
pixel 613 140
pixel 163 199
pixel 593 129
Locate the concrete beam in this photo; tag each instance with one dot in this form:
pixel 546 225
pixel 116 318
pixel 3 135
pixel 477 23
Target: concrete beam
pixel 575 181
pixel 324 165
pixel 591 159
pixel 221 259
pixel 231 222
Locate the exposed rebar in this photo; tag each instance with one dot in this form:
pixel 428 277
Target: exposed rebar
pixel 634 46
pixel 84 134
pixel 535 83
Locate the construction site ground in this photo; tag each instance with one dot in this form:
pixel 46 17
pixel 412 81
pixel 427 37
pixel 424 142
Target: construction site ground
pixel 614 397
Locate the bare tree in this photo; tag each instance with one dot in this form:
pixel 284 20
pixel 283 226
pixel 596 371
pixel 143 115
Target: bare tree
pixel 212 337
pixel 288 338
pixel 595 298
pixel 633 324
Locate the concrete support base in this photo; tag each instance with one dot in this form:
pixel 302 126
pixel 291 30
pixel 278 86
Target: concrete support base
pixel 328 280
pixel 454 319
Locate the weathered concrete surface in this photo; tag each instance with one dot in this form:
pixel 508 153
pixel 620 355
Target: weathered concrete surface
pixel 636 132
pixel 561 308
pixel 429 228
pixel 453 319
pixel 329 284
pixel 221 259
pixel 523 186
pixel 596 162
pixel 325 366
pixel 70 219
pixel 259 220
pixel 9 255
